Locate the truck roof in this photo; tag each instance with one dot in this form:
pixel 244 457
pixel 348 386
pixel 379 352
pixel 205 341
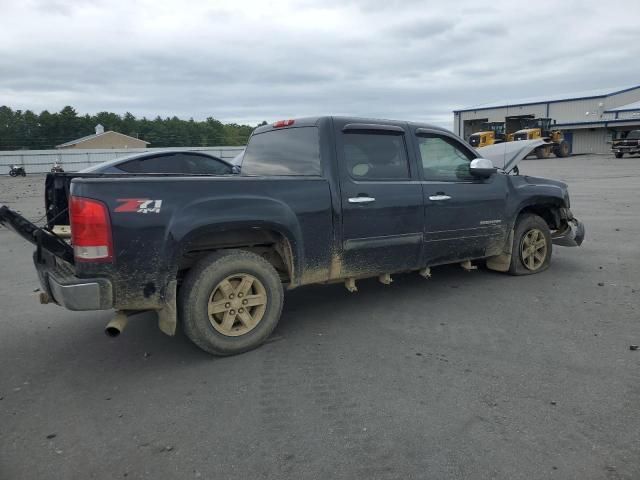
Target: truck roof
pixel 315 121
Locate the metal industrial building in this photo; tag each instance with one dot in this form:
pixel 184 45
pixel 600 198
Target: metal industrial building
pixel 589 120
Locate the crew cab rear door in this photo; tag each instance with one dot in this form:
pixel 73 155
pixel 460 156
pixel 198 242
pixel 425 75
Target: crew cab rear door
pixel 465 216
pixel 382 206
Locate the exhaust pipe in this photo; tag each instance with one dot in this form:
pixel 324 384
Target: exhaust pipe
pixel 116 325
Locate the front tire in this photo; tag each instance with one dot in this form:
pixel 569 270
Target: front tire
pixel 543 152
pixel 532 248
pixel 619 154
pixel 562 150
pixel 230 302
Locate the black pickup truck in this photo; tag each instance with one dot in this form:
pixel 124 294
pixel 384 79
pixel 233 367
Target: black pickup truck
pixel 629 145
pixel 326 199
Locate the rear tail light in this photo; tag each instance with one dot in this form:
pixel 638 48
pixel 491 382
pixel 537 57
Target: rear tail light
pixel 283 123
pixel 90 230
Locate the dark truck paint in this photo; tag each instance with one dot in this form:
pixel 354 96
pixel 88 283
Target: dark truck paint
pixel 339 218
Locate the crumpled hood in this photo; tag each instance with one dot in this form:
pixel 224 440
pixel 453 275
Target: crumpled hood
pixel 507 155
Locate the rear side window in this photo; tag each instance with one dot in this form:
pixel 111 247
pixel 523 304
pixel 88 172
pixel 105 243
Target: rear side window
pixel 177 163
pixel 375 156
pixel 290 151
pixel 200 164
pixel 161 164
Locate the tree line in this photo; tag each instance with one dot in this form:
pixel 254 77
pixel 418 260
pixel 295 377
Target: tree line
pixel 28 130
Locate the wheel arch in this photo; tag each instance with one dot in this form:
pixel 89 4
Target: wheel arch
pixel 273 242
pixel 550 208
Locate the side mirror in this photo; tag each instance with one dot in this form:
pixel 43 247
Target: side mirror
pixel 482 167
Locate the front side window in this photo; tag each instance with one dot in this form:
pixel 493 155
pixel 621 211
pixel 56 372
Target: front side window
pixel 375 156
pixel 289 151
pixel 443 159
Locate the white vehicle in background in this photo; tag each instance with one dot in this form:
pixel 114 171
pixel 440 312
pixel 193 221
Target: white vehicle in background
pixel 171 162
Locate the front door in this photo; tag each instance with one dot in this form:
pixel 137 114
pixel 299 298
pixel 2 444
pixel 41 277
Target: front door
pixel 465 216
pixel 382 206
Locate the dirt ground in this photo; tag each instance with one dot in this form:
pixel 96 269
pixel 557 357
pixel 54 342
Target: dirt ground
pixel 467 375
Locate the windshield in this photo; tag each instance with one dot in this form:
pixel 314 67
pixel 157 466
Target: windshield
pixel 634 135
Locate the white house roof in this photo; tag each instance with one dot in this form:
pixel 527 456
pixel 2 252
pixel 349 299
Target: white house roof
pixel 88 137
pixel 601 92
pixel 627 107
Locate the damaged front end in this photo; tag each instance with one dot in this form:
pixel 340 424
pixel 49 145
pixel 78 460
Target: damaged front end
pixel 571 233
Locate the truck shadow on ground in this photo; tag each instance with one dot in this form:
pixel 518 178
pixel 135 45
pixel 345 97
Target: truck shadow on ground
pixel 327 305
pixel 80 335
pixel 306 310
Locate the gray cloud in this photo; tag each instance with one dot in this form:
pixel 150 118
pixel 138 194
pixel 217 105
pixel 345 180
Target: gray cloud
pixel 420 28
pixel 251 61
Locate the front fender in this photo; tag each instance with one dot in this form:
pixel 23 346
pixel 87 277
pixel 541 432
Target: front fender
pixel 532 192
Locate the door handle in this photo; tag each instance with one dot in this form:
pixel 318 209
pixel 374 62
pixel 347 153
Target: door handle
pixel 439 198
pixel 361 200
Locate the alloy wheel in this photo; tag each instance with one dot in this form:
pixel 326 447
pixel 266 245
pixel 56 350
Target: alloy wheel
pixel 237 304
pixel 533 249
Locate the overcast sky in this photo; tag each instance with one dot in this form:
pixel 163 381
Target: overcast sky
pixel 248 61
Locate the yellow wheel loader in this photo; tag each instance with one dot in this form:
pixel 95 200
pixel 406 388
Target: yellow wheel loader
pixel 541 128
pixel 491 133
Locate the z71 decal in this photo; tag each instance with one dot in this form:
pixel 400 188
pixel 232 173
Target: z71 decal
pixel 138 205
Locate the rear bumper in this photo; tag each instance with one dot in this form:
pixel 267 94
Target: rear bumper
pixel 52 260
pixel 571 236
pixel 67 290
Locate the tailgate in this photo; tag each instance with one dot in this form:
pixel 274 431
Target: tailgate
pixel 56 198
pixel 42 238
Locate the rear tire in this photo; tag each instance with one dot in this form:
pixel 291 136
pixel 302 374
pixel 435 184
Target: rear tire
pixel 532 246
pixel 230 302
pixel 619 154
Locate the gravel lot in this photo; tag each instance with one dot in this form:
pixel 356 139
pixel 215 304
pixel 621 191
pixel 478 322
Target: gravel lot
pixel 467 375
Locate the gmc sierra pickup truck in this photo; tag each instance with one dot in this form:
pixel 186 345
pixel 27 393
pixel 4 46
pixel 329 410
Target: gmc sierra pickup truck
pixel 326 199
